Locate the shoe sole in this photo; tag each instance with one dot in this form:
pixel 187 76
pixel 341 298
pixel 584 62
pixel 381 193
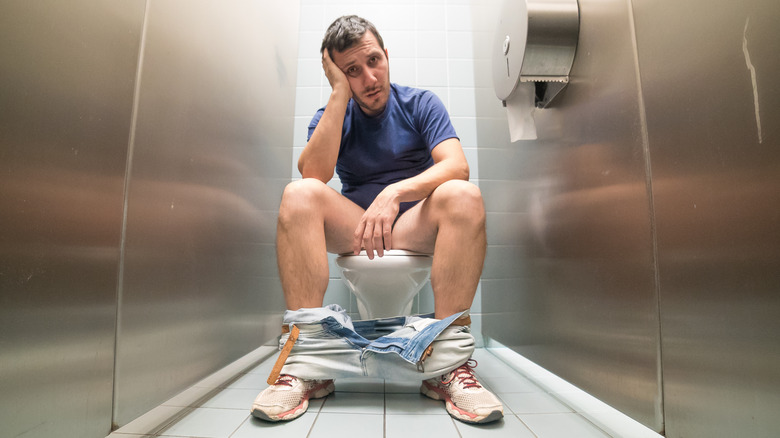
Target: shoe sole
pixel 437 394
pixel 317 392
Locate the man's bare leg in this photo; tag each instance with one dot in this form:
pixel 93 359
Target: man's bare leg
pixel 450 223
pixel 313 219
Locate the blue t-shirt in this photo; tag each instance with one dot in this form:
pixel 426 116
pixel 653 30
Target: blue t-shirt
pixel 395 145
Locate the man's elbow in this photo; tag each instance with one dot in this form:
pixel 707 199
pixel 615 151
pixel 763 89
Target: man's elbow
pixel 314 173
pixel 463 171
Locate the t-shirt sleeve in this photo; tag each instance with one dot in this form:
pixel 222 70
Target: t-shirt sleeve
pixel 433 120
pixel 314 122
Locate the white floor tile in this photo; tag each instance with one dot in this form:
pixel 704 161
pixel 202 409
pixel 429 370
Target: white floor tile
pixel 207 423
pixel 329 425
pixel 250 381
pixel 233 398
pixel 509 427
pixel 428 426
pixel 533 403
pixel 264 368
pixel 413 404
pixel 508 383
pixel 300 427
pixel 354 403
pixel 561 426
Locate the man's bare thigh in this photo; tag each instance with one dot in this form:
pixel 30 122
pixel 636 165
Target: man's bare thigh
pixel 341 219
pixel 415 230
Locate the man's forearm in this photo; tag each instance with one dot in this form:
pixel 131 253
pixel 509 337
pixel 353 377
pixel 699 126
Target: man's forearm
pixel 321 152
pixel 422 185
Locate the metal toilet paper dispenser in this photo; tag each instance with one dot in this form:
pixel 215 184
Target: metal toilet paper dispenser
pixel 536 42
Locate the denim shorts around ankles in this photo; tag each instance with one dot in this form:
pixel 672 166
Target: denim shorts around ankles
pixel 330 345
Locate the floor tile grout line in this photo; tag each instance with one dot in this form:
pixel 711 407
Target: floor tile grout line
pixel 384 406
pixel 248 417
pixel 319 411
pixel 526 425
pixel 455 424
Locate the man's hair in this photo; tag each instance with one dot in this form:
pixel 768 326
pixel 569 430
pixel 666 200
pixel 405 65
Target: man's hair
pixel 345 32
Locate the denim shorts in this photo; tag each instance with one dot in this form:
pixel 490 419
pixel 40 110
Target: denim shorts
pixel 330 345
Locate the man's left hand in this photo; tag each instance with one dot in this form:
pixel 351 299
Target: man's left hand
pixel 375 230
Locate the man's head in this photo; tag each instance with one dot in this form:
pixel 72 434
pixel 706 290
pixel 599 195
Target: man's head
pixel 357 49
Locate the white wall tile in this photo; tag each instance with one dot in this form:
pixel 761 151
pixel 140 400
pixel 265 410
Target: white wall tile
pixel 458 17
pixel 301 127
pixel 312 17
pixel 431 73
pixel 461 72
pixel 307 100
pixel 309 44
pixel 462 102
pixel 430 17
pixel 400 44
pixel 460 45
pixel 432 44
pixel 403 71
pixel 466 127
pixel 310 72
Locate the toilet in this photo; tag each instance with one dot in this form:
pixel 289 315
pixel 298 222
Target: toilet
pixel 385 286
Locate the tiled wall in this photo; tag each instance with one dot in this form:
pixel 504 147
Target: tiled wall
pixel 430 46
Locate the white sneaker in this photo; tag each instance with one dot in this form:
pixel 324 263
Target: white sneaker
pixel 463 396
pixel 288 398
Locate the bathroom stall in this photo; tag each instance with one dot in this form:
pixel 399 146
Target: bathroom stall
pixel 145 144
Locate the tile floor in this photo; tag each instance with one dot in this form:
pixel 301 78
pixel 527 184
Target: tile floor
pixel 535 405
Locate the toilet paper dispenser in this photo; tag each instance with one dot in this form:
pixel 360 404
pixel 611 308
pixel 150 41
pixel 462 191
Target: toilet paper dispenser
pixel 536 42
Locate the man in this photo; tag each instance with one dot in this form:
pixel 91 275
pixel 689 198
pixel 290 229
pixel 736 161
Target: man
pixel 404 186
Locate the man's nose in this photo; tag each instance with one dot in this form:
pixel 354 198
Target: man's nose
pixel 369 76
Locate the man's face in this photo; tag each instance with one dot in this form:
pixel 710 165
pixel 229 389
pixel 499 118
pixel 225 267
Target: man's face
pixel 368 72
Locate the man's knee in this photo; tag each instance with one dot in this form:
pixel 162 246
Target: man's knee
pixel 462 200
pixel 302 196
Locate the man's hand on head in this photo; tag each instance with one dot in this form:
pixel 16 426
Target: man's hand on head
pixel 375 230
pixel 337 79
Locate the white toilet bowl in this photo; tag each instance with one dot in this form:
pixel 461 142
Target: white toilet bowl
pixel 385 286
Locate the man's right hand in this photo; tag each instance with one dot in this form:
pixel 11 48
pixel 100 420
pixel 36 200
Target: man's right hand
pixel 337 79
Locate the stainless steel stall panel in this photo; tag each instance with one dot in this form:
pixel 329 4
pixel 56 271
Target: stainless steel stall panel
pixel 709 72
pixel 211 155
pixel 67 71
pixel 569 280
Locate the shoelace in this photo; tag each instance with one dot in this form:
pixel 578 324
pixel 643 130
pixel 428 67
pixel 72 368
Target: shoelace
pixel 465 375
pixel 285 379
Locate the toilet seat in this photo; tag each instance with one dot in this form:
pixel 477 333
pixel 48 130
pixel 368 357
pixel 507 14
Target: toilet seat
pixel 389 253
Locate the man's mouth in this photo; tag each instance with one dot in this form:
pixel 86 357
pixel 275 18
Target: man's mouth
pixel 374 93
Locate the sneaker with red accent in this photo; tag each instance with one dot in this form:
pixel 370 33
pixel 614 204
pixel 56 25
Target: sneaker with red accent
pixel 288 398
pixel 464 397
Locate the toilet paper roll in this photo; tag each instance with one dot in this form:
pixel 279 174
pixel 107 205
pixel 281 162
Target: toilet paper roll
pixel 520 108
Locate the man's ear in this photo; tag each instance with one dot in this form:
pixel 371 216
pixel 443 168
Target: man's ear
pixel 387 55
